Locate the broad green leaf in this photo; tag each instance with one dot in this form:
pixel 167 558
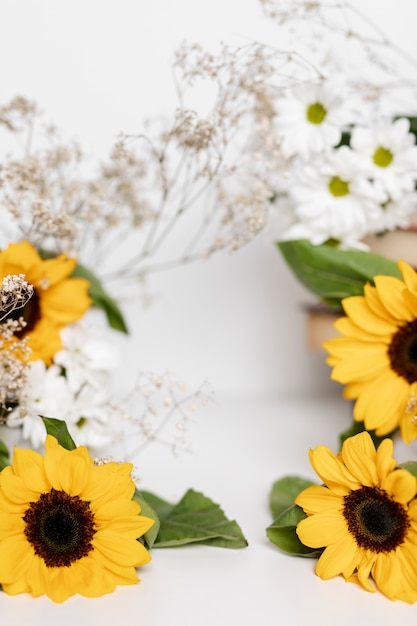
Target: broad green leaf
pixel 333 274
pixel 282 533
pixel 284 491
pixel 148 511
pixel 58 429
pixel 195 519
pixel 410 466
pixel 101 299
pixel 359 427
pixel 4 455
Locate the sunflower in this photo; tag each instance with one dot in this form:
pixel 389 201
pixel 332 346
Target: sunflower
pixel 67 525
pixel 365 516
pixel 57 300
pixel 376 358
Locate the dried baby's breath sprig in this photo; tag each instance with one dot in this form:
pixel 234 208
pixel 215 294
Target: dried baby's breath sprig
pixel 160 410
pixel 15 293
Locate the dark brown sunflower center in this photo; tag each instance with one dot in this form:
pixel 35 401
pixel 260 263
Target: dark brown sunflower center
pixel 376 521
pixel 60 528
pixel 402 351
pixel 31 314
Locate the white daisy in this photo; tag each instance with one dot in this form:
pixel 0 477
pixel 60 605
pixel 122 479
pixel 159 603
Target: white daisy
pixel 88 351
pixel 389 154
pixel 94 418
pixel 310 119
pixel 46 393
pixel 396 214
pixel 333 200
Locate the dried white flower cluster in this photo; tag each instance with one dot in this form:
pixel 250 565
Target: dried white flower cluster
pixel 161 408
pixel 15 292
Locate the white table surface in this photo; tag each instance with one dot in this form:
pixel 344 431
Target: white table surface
pixel 239 449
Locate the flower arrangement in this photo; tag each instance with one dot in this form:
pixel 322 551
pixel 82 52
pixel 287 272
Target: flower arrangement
pixel 331 138
pixel 348 152
pixel 360 524
pixel 73 523
pixel 333 161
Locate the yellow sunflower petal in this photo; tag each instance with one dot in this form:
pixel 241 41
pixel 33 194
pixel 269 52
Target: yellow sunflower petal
pixel 384 462
pixel 392 577
pixel 59 304
pixel 109 482
pixel 381 402
pixel 357 361
pixel 401 485
pixel 16 556
pixel 374 303
pixel 409 275
pixel 28 465
pixel 58 269
pixel 119 549
pixel 361 315
pixel 317 498
pixel 332 472
pixel 337 558
pixel 119 508
pixel 14 494
pixel 408 426
pixel 410 301
pixel 359 456
pixel 19 258
pixel 346 327
pixel 122 575
pixel 322 529
pixel 364 571
pixel 390 290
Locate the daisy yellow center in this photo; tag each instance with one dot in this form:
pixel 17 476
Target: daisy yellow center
pixel 338 187
pixel 31 314
pixel 60 528
pixel 376 521
pixel 382 157
pixel 316 113
pixel 402 351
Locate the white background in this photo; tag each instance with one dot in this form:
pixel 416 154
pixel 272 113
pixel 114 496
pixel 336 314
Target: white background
pixel 101 67
pixel 98 67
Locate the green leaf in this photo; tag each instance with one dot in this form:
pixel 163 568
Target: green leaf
pixel 4 455
pixel 284 491
pixel 359 427
pixel 101 298
pixel 149 538
pixel 282 533
pixel 333 274
pixel 58 429
pixel 410 466
pixel 194 519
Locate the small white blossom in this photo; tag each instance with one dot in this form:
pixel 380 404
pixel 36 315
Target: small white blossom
pixel 88 352
pixel 389 154
pixel 46 393
pixel 310 119
pixel 333 200
pixel 93 417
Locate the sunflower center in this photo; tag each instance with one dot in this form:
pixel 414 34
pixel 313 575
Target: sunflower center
pixel 382 157
pixel 338 187
pixel 316 113
pixel 376 521
pixel 402 351
pixel 60 528
pixel 31 314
